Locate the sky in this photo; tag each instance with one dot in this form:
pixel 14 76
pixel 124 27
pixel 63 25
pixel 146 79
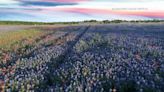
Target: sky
pixel 80 10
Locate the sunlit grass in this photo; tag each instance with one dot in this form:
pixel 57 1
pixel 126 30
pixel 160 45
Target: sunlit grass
pixel 8 40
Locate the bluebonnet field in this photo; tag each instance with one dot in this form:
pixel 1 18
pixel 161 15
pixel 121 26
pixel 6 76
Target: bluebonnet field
pixel 125 57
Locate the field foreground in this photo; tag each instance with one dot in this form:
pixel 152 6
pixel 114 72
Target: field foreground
pixel 84 58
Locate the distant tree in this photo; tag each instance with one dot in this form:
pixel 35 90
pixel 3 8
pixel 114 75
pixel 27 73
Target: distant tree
pixel 106 21
pixel 116 21
pixel 90 21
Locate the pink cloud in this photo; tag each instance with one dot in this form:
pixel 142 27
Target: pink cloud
pixel 154 14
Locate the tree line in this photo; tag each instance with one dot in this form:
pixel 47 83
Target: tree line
pixel 78 22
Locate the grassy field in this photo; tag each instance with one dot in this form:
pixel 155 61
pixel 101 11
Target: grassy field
pixel 10 39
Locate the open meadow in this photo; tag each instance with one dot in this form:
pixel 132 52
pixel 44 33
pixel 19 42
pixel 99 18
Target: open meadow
pixel 115 57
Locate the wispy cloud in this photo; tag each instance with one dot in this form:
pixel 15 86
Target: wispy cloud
pixel 44 3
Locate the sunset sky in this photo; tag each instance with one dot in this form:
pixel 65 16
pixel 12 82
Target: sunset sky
pixel 79 10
